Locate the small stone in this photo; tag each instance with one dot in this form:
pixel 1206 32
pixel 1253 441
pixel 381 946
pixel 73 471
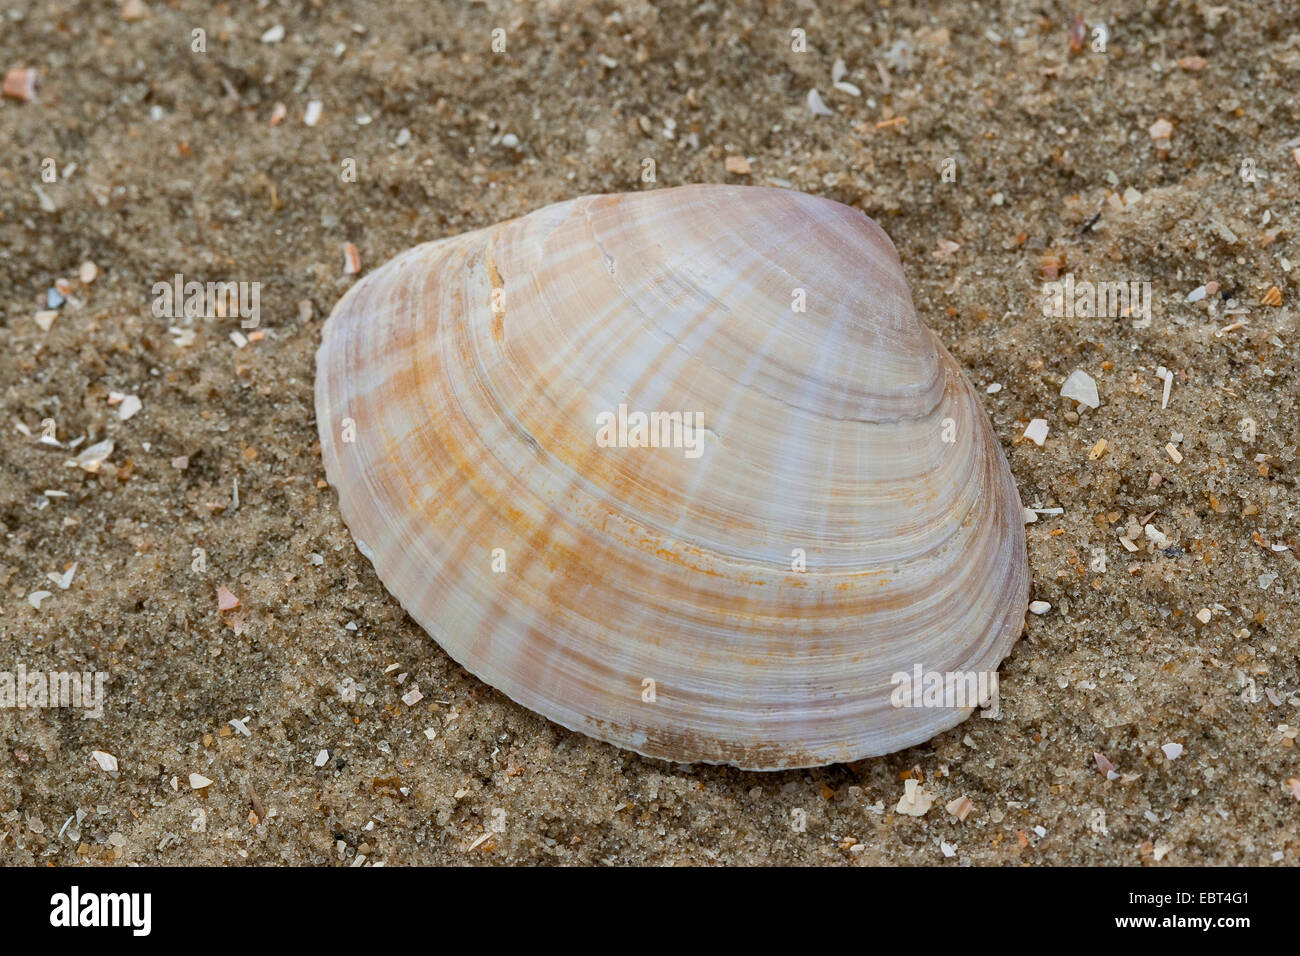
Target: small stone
pixel 312 116
pixel 1039 607
pixel 1173 751
pixel 1161 129
pixel 274 35
pixel 133 10
pixel 87 272
pixel 1203 615
pixel 199 782
pixel 994 388
pixel 45 319
pixel 322 758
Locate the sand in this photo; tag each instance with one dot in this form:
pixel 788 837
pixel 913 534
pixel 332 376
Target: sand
pixel 168 162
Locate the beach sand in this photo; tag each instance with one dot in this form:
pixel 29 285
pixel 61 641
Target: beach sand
pixel 167 162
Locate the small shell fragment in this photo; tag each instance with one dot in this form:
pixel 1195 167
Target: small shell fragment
pixel 312 114
pixel 351 260
pixel 93 457
pixel 199 782
pixel 961 807
pixel 1037 431
pixel 738 165
pixel 1081 387
pixel 817 105
pixel 916 800
pixel 130 405
pixel 226 601
pixel 1039 607
pixel 1173 751
pixel 20 84
pixel 107 762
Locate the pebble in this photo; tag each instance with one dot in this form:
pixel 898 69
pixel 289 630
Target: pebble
pixel 1173 751
pixel 45 318
pixel 274 35
pixel 133 10
pixel 87 272
pixel 312 115
pixel 1039 607
pixel 198 781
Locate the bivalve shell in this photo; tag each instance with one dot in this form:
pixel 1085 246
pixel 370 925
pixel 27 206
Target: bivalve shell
pixel 682 471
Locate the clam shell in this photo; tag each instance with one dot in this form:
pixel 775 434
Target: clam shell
pixel 642 595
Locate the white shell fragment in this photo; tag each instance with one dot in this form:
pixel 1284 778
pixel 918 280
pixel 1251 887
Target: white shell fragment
pixel 741 584
pixel 817 105
pixel 1036 431
pixel 107 762
pixel 93 457
pixel 1081 387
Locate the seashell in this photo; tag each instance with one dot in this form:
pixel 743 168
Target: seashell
pixel 746 587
